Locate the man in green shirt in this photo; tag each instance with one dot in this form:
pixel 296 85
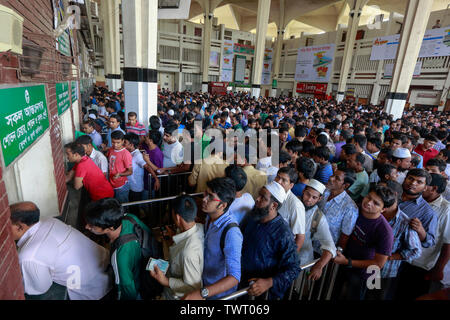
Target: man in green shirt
pixel 360 188
pixel 106 216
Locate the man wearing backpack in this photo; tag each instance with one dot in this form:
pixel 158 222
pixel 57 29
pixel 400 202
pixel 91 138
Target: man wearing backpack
pixel 317 230
pixel 223 243
pixel 128 236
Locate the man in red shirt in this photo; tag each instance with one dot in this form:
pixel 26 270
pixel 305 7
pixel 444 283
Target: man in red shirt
pixel 133 126
pixel 86 173
pixel 120 167
pixel 426 149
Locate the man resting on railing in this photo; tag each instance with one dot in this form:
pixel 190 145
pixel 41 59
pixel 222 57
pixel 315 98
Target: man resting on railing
pixel 269 255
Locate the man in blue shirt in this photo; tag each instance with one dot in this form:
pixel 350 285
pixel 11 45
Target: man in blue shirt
pixel 269 253
pixel 321 156
pixel 423 218
pixel 222 265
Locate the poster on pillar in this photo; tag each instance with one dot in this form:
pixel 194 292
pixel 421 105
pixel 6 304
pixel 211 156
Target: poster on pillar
pixel 314 63
pixel 239 75
pixel 267 67
pixel 435 43
pixel 226 74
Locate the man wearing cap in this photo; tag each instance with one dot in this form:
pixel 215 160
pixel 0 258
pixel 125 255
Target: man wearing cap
pixel 401 159
pixel 317 230
pixel 292 211
pixel 269 256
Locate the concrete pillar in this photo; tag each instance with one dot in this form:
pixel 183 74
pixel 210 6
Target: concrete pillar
pixel 278 47
pixel 445 91
pixel 336 43
pixel 207 29
pixel 353 22
pixel 374 98
pixel 414 26
pixel 111 43
pixel 140 35
pixel 262 21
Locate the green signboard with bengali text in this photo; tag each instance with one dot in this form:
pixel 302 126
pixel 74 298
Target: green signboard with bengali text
pixel 74 91
pixel 24 118
pixel 62 97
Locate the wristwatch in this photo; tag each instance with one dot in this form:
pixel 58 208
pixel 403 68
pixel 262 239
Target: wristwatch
pixel 349 264
pixel 204 293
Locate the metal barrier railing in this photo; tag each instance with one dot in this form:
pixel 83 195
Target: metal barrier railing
pixel 170 184
pixel 156 211
pixel 326 285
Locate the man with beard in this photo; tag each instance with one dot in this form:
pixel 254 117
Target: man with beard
pixel 317 230
pixel 269 256
pixel 401 159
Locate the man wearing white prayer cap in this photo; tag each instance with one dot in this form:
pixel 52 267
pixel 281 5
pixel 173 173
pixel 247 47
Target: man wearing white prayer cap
pixel 401 159
pixel 268 242
pixel 316 229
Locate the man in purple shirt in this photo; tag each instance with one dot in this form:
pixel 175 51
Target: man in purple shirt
pixel 370 245
pixel 153 157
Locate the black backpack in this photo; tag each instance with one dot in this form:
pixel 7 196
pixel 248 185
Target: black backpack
pixel 150 248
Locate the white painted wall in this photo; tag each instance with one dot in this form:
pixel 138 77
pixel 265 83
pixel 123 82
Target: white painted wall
pixel 66 127
pixel 166 80
pixel 424 97
pixel 32 178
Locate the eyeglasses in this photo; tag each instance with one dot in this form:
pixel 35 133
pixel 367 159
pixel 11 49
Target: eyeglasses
pixel 209 197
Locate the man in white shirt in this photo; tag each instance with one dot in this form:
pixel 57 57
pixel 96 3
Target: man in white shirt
pixel 186 252
pixel 172 149
pixel 435 258
pixel 96 156
pixel 292 210
pixel 244 202
pixel 317 229
pixel 51 252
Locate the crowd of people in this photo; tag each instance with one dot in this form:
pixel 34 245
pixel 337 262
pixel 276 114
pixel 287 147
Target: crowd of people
pixel 339 184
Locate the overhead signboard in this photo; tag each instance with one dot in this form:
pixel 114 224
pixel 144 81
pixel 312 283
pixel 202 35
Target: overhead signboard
pixel 23 117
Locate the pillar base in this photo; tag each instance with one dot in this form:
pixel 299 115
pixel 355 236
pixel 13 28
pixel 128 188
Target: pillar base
pixel 204 87
pixel 340 97
pixel 141 97
pixel 273 93
pixel 395 103
pixel 256 91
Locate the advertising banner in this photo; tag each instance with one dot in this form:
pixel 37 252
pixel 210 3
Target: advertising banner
pixel 435 43
pixel 314 63
pixel 226 74
pixel 312 88
pixel 267 67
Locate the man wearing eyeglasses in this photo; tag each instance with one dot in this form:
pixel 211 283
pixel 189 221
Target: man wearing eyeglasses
pixel 222 253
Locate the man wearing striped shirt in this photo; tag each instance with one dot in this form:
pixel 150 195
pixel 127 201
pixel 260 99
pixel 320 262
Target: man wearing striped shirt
pixel 133 126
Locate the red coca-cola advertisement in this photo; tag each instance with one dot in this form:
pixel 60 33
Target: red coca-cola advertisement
pixel 218 88
pixel 312 88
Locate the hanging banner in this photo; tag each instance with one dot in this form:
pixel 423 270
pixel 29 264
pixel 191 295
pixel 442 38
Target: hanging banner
pixel 239 75
pixel 435 43
pixel 24 119
pixel 226 74
pixel 389 70
pixel 314 63
pixel 243 48
pixel 213 59
pixel 267 67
